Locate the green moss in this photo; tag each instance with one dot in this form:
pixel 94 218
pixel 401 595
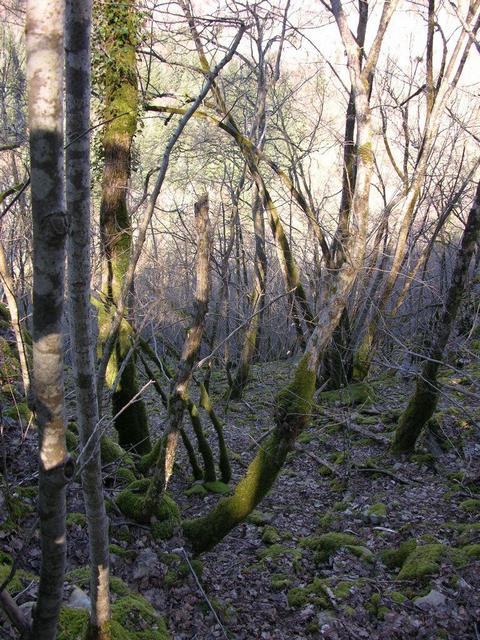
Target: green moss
pixel 270 535
pixel 276 551
pixel 19 581
pixel 306 438
pixel 280 581
pixel 116 550
pixel 20 409
pixel 354 394
pixel 312 593
pixel 397 597
pixel 150 458
pixel 81 578
pixel 471 505
pixel 111 451
pixel 196 489
pixel 423 562
pixel 328 543
pixel 396 557
pixel 342 590
pixel 326 521
pixel 378 509
pixel 76 518
pixel 125 476
pixel 72 624
pixel 471 551
pixel 131 502
pixel 217 487
pixel 293 404
pixel 425 458
pixel 72 441
pixel 129 614
pixel 179 571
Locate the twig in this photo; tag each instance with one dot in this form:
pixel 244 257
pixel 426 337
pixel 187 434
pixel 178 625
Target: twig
pixel 321 461
pixel 203 592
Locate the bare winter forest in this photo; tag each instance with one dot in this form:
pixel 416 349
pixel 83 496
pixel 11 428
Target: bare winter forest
pixel 239 319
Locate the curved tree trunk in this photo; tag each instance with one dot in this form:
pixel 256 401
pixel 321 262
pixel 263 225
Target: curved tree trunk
pixel 119 86
pixel 78 21
pixel 424 401
pixel 45 58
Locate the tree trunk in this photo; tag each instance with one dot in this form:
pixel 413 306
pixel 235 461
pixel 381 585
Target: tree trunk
pixel 45 57
pixel 178 399
pixel 9 289
pixel 424 401
pixel 78 21
pixel 119 87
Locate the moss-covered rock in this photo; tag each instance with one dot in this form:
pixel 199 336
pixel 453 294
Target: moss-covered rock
pixel 327 544
pixel 354 394
pixel 270 535
pixel 197 489
pixel 423 562
pixel 166 516
pixel 111 451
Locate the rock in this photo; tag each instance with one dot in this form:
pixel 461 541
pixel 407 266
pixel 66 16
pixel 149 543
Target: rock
pixel 145 564
pixel 432 600
pixel 325 617
pixel 79 600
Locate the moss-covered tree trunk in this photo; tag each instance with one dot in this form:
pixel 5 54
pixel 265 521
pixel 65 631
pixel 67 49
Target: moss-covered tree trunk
pixel 45 62
pixel 117 80
pixel 78 90
pixel 424 401
pixel 179 399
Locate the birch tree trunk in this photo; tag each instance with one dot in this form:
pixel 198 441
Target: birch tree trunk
pixel 424 401
pixel 78 23
pixel 45 57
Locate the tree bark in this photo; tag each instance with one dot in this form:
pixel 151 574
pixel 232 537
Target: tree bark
pixel 78 23
pixel 179 399
pixel 424 401
pixel 119 86
pixel 45 58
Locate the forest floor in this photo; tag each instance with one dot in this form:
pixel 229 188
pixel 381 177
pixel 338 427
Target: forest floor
pixel 350 543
